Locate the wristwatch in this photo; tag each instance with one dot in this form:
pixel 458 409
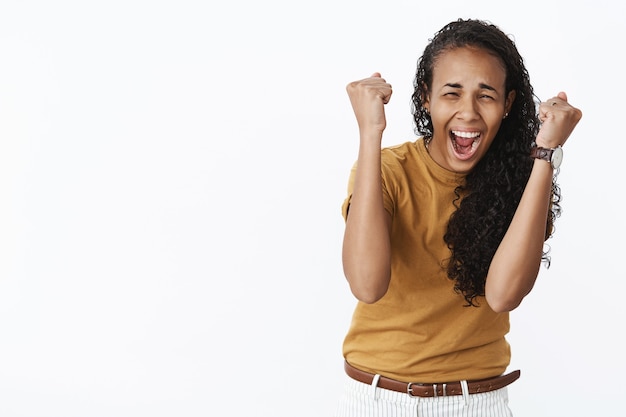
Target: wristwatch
pixel 552 155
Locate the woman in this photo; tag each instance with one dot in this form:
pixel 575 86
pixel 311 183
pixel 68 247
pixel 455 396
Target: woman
pixel 444 235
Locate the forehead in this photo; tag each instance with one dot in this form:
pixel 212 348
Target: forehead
pixel 467 65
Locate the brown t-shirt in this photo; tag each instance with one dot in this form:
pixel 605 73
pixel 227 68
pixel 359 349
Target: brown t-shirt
pixel 421 330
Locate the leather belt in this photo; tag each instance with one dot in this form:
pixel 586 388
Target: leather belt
pixel 415 389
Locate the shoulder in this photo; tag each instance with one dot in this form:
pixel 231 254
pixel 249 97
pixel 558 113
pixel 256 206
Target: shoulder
pixel 400 152
pixel 401 156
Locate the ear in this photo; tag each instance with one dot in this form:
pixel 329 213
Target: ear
pixel 508 103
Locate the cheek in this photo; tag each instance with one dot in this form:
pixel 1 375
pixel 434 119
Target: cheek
pixel 494 122
pixel 439 122
pixel 440 127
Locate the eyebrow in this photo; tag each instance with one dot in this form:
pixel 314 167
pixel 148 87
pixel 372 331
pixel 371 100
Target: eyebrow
pixel 481 85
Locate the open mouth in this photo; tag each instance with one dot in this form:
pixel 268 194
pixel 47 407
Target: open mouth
pixel 464 143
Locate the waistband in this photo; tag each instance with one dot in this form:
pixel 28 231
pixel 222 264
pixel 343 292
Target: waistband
pixel 415 389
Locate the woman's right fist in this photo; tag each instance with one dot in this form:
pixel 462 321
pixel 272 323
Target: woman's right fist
pixel 368 97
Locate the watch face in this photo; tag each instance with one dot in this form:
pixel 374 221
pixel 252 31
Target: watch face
pixel 557 157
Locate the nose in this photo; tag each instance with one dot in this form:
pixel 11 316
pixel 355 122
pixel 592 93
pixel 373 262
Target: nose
pixel 468 108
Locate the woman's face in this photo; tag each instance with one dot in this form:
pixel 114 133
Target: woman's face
pixel 467 103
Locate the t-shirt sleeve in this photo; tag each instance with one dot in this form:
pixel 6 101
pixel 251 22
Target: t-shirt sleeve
pixel 387 200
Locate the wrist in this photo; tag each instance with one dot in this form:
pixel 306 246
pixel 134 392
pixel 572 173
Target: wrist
pixel 371 136
pixel 554 156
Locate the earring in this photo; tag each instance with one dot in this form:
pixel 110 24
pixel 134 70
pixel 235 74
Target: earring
pixel 505 116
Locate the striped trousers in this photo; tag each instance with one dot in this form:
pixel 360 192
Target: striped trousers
pixel 363 400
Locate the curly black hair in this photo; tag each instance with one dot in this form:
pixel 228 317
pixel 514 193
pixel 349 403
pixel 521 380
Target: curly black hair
pixel 486 202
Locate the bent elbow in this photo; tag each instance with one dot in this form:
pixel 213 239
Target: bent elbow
pixel 503 303
pixel 368 297
pixel 369 289
pixel 500 305
pixel 506 295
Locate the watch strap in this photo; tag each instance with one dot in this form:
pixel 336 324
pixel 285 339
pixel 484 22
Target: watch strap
pixel 541 153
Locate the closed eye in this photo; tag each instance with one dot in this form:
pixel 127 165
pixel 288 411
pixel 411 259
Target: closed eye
pixel 487 91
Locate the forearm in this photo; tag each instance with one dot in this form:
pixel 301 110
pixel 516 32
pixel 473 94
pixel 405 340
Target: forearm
pixel 516 263
pixel 366 246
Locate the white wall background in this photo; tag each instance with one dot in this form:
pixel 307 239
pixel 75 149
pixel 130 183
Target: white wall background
pixel 171 174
